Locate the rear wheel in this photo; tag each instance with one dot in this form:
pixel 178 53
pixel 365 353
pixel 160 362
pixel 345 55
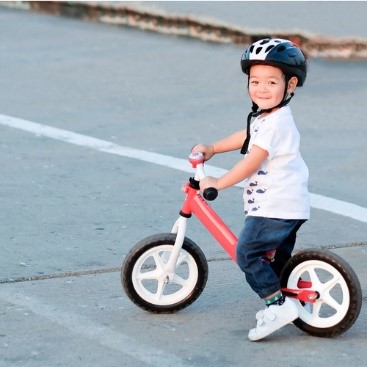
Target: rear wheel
pixel 340 296
pixel 147 283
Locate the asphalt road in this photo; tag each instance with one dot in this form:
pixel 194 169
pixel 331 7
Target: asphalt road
pixel 69 208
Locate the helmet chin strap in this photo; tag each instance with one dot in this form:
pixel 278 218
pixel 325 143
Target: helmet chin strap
pixel 255 113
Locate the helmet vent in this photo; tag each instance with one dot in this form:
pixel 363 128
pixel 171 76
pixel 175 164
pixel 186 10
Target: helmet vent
pixel 269 48
pixel 281 48
pixel 258 50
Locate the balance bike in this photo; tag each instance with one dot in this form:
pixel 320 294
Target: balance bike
pixel 167 272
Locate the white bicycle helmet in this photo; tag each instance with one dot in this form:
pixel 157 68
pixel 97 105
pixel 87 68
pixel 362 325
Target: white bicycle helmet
pixel 279 53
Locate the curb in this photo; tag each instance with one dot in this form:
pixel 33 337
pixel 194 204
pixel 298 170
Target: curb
pixel 191 27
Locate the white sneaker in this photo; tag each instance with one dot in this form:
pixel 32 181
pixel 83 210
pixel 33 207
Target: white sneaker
pixel 260 314
pixel 273 318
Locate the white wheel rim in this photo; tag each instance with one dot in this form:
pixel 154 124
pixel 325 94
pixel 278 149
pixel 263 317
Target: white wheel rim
pixel 333 304
pixel 155 285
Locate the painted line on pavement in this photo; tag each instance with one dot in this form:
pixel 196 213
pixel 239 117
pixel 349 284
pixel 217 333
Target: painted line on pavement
pixel 335 206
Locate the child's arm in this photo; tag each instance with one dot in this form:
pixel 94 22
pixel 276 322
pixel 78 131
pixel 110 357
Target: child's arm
pixel 232 142
pixel 243 169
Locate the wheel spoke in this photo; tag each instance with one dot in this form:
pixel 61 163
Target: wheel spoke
pixel 149 275
pixel 160 290
pixel 331 283
pixel 330 301
pixel 159 261
pixel 314 278
pixel 316 307
pixel 178 280
pixel 165 256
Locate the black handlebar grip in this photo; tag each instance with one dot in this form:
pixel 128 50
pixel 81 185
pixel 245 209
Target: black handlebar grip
pixel 210 193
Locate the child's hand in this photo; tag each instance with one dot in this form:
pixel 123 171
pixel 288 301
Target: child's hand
pixel 207 182
pixel 207 150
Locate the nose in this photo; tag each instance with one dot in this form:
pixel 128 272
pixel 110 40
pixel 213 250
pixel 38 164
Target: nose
pixel 263 87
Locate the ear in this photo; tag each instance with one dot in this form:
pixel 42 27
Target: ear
pixel 292 84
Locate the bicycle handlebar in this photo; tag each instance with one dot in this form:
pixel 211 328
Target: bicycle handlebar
pixel 210 193
pixel 197 161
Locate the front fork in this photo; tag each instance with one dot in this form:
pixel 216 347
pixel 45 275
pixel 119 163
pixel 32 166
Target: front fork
pixel 180 229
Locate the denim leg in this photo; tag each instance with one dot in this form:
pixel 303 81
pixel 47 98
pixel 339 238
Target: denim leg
pixel 284 252
pixel 258 236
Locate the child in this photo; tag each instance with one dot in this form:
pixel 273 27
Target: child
pixel 276 198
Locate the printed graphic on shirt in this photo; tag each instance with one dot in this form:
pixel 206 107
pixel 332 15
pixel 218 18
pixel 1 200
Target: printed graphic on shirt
pixel 252 205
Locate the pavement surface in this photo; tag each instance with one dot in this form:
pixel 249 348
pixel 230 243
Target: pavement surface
pixel 71 213
pixel 86 321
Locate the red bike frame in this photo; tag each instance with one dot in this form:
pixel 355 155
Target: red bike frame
pixel 195 204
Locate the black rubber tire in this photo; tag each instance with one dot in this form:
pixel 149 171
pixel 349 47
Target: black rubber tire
pixel 157 242
pixel 352 284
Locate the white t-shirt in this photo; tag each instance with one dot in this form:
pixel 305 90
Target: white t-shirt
pixel 279 188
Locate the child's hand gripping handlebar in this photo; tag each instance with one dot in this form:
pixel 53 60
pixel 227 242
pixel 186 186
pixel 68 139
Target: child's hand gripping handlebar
pixel 197 161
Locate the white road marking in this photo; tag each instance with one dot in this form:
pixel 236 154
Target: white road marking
pixel 99 333
pixel 335 206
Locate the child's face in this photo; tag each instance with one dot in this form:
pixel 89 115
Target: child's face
pixel 266 86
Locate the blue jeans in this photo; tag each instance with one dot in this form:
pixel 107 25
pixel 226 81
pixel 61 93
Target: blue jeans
pixel 258 236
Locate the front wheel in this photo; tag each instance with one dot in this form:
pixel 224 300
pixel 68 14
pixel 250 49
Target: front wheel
pixel 149 285
pixel 339 292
